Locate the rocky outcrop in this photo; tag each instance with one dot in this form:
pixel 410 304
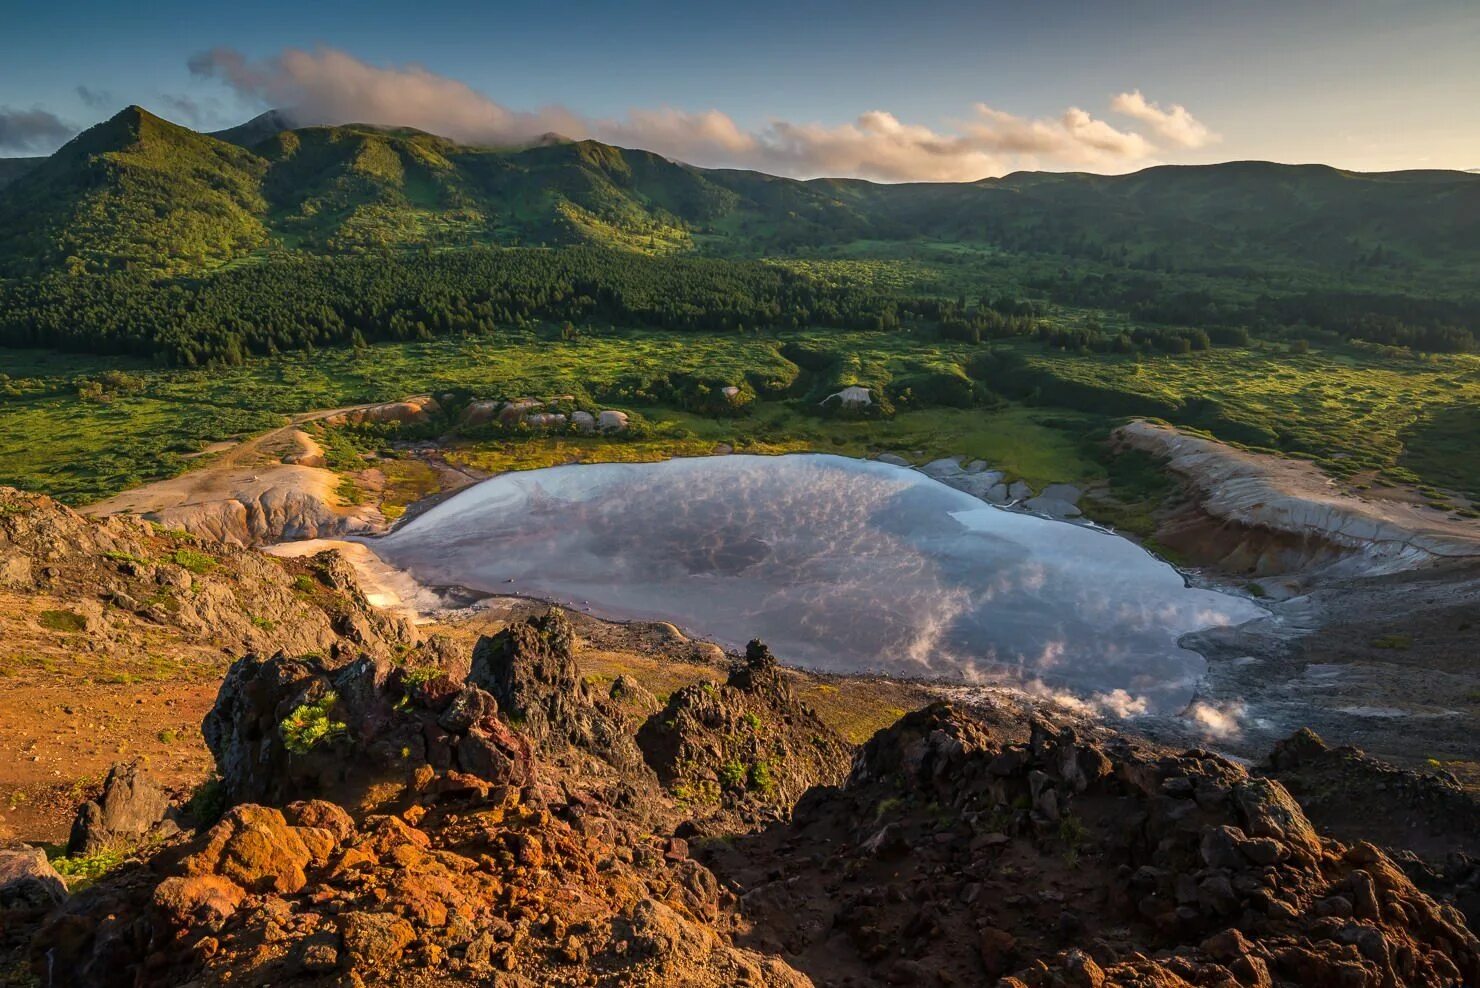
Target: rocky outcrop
pixel 119 574
pixel 749 740
pixel 393 824
pixel 955 856
pixel 533 414
pixel 1265 515
pixel 411 411
pixel 467 858
pixel 281 502
pixel 1426 820
pixel 284 729
pixel 130 809
pixel 530 669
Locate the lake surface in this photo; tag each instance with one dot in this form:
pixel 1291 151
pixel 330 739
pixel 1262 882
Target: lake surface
pixel 839 564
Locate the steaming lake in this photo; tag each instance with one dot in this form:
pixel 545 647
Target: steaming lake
pixel 839 564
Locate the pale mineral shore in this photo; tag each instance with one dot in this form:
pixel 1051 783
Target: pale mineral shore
pixel 1316 526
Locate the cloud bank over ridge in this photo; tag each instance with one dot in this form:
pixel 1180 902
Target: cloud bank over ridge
pixel 329 86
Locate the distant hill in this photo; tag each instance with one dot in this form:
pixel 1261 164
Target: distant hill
pixel 13 168
pixel 256 130
pixel 139 192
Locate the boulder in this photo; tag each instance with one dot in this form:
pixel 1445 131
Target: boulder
pixel 129 808
pixel 1051 507
pixel 611 420
pixel 852 398
pixel 28 881
pixel 940 469
pixel 255 847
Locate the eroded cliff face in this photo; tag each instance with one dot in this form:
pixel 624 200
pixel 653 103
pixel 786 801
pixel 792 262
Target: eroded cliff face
pixel 501 821
pixel 1265 515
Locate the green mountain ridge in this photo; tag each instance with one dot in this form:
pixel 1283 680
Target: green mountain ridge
pixel 139 193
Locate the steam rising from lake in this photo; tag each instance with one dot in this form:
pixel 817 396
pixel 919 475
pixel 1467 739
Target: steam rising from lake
pixel 839 564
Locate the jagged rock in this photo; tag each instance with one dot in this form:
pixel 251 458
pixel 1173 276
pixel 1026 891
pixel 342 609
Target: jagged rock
pixel 28 881
pixel 1182 869
pixel 633 696
pixel 129 808
pixel 196 901
pixel 375 939
pixel 750 738
pixel 1399 809
pixel 530 670
pixel 358 729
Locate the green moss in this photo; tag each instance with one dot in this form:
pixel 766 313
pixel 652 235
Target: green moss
pixel 65 621
pixel 195 561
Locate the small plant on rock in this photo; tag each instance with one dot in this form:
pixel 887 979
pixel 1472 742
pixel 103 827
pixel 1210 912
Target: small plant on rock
pixel 732 775
pixel 311 724
pixel 760 779
pixel 195 561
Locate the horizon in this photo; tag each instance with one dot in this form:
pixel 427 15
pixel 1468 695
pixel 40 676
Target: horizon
pixel 951 92
pixel 817 178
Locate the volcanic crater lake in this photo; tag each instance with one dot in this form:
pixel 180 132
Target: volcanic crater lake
pixel 839 564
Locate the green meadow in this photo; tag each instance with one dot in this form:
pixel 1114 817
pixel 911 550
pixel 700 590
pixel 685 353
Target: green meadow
pixel 83 428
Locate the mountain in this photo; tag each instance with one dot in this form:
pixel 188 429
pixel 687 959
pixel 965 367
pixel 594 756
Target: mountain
pixel 139 192
pixel 256 130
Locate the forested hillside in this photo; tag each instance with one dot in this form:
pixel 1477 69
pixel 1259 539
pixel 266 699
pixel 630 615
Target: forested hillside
pixel 137 192
pixel 142 236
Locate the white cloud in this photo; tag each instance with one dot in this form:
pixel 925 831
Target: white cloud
pixel 333 87
pixel 1175 124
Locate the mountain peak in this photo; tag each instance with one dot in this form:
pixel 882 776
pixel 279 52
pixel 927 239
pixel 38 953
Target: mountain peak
pixel 258 129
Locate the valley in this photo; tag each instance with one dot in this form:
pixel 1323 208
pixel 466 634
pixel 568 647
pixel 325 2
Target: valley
pixel 417 507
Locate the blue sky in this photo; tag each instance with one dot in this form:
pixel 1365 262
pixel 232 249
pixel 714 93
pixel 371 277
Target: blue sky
pixel 1363 84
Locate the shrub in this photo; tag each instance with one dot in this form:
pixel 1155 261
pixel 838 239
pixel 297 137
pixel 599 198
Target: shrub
pixel 760 779
pixel 732 775
pixel 310 724
pixel 207 803
pixel 195 561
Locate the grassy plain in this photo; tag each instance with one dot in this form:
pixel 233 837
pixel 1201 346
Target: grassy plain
pixel 82 428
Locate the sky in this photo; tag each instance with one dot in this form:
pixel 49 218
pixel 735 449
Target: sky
pixel 888 91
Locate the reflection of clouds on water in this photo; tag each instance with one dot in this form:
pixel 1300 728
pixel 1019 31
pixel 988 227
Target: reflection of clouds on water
pixel 839 564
